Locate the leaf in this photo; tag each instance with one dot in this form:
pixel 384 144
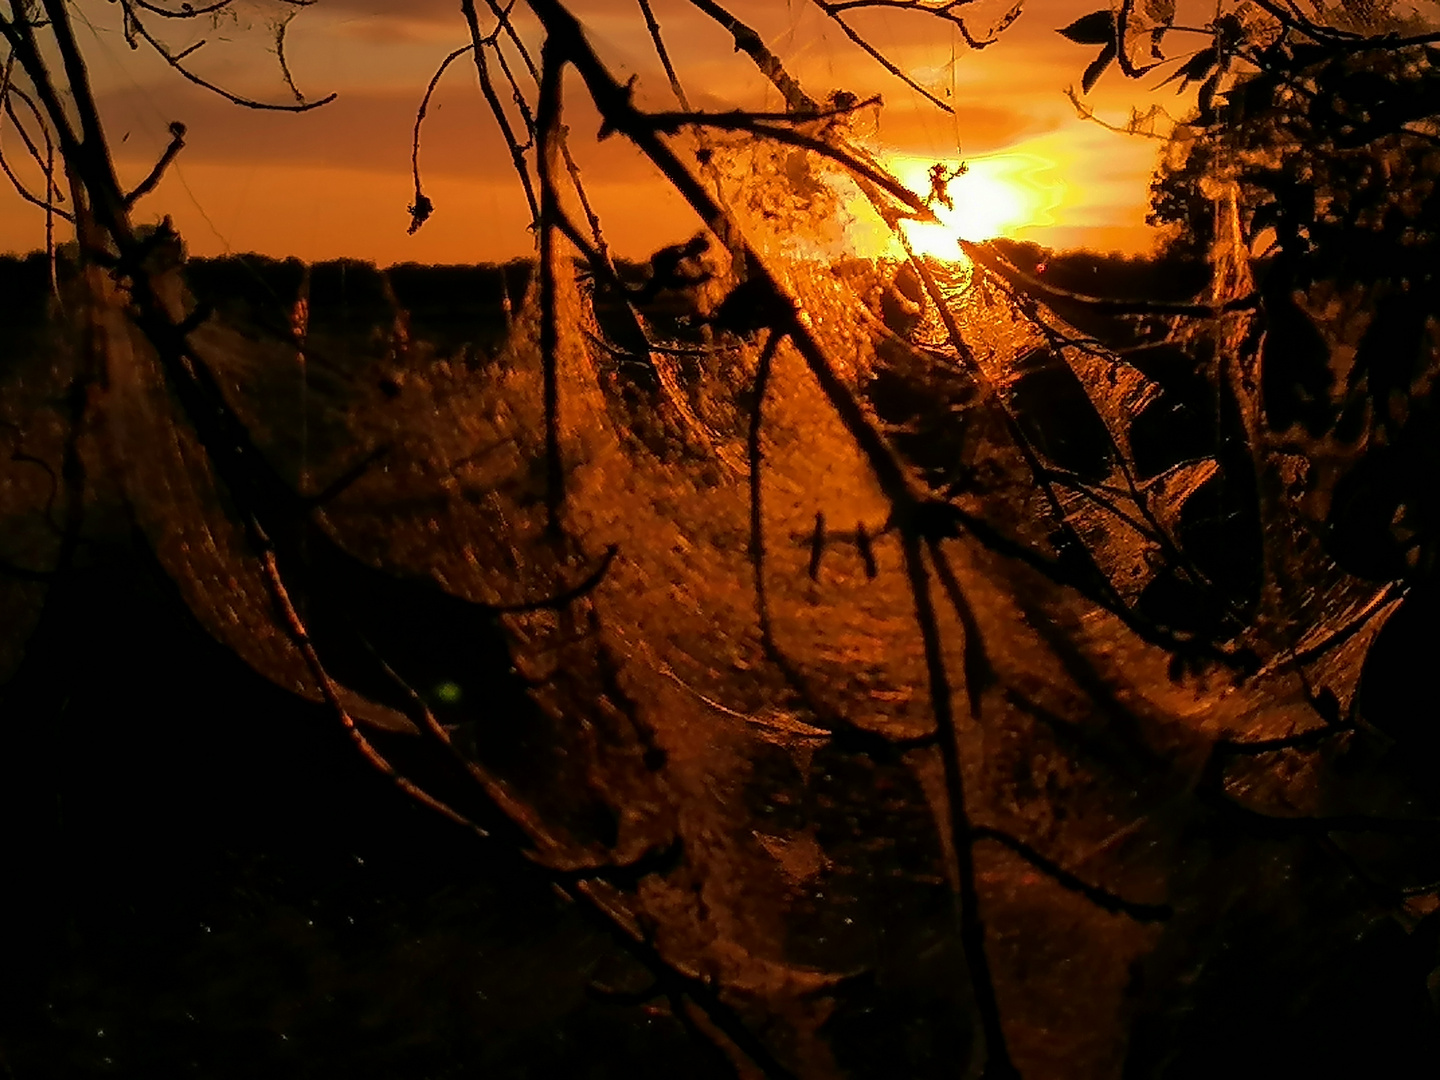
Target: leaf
pixel 1097 67
pixel 1206 101
pixel 1194 69
pixel 1097 28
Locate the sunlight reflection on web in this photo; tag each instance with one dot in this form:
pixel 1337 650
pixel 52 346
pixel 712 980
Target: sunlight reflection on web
pixel 996 196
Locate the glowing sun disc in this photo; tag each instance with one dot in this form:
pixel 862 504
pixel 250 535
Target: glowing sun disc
pixel 996 196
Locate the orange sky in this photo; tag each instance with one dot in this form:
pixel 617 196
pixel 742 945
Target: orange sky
pixel 335 182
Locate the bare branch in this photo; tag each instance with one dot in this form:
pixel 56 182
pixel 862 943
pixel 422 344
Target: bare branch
pixel 943 11
pixel 8 91
pixel 740 119
pixel 1299 23
pixel 187 12
pixel 422 208
pixel 196 47
pixel 1301 740
pixel 517 149
pixel 11 90
pixel 704 151
pixel 547 150
pixel 653 26
pixel 755 454
pixel 595 250
pixel 300 635
pixel 1085 112
pixel 888 64
pixel 756 125
pixel 751 44
pixel 46 162
pixel 1340 634
pixel 504 24
pixel 566 596
pixel 174 60
pixel 177 143
pixel 998 1064
pixel 280 28
pixel 1101 898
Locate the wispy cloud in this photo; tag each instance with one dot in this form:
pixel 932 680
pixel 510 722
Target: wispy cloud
pixel 378 55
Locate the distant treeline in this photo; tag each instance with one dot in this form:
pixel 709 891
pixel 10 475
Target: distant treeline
pixel 451 306
pixel 1168 277
pixel 24 306
pixel 442 304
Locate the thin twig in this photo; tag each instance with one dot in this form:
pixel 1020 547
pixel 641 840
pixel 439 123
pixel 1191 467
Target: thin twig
pixel 998 1064
pixel 1101 898
pixel 422 208
pixel 752 45
pixel 280 29
pixel 755 454
pixel 487 88
pixel 46 162
pixel 548 128
pixel 174 60
pixel 177 143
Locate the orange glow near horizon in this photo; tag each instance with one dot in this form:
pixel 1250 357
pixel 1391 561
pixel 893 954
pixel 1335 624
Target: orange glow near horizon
pixel 998 195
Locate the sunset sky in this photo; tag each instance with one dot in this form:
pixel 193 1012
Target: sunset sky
pixel 335 181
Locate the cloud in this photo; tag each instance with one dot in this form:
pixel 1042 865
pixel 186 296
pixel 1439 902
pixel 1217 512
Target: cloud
pixel 977 127
pixel 379 55
pixel 359 131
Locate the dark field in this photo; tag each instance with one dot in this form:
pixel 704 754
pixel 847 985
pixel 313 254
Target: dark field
pixel 204 877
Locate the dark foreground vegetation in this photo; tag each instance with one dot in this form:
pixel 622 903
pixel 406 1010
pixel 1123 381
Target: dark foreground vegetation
pixel 207 879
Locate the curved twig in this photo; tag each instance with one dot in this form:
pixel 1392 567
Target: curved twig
pixel 755 124
pixel 45 162
pixel 567 596
pixel 177 143
pixel 944 12
pixel 280 29
pixel 998 1064
pixel 187 12
pixel 175 61
pixel 1101 898
pixel 422 208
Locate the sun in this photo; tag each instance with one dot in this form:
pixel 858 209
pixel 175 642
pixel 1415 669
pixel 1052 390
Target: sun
pixel 995 196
